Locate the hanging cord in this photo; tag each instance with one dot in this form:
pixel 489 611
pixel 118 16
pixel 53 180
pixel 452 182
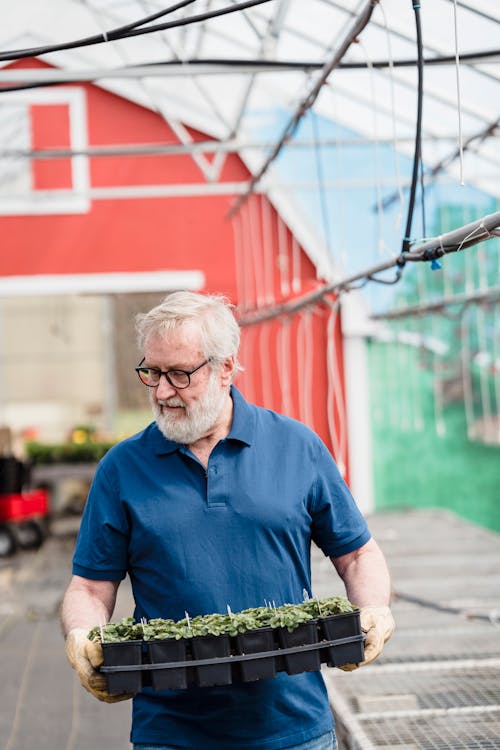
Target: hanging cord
pixel 402 363
pixel 418 132
pixel 484 359
pixel 236 224
pixel 284 359
pixel 321 181
pixel 466 375
pixel 437 371
pixel 256 249
pixel 267 245
pixel 422 196
pixel 380 209
pixel 415 379
pixel 459 102
pixel 301 354
pixel 496 365
pixel 331 371
pixel 399 186
pixel 335 396
pixel 265 368
pixel 296 265
pixel 250 276
pixel 249 356
pixel 305 356
pixel 283 256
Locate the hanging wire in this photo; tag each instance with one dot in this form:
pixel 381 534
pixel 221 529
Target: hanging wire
pixel 466 375
pixel 256 249
pixel 305 356
pixel 376 163
pixel 437 368
pixel 447 276
pixel 283 256
pixel 267 244
pixel 399 187
pixel 249 372
pixel 236 223
pixel 335 396
pixel 265 368
pixel 321 181
pixel 483 356
pixel 496 366
pixel 469 272
pixel 400 368
pixel 405 397
pixel 482 360
pixel 459 102
pixel 341 168
pixel 301 357
pixel 331 371
pixel 391 377
pixel 251 285
pixel 296 265
pixel 418 131
pixel 283 351
pixel 422 197
pixel 415 379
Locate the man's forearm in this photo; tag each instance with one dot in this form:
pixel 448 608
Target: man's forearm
pixel 365 576
pixel 84 607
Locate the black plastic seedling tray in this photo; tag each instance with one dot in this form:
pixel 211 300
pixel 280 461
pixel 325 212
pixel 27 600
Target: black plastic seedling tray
pixel 124 662
pixel 224 669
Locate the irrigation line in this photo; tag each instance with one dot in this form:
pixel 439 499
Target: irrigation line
pixel 490 296
pixel 292 306
pixel 454 241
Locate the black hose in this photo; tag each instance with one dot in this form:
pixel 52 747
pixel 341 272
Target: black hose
pixel 418 132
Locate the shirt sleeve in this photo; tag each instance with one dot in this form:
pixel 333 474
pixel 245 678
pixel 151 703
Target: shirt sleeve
pixel 102 543
pixel 338 526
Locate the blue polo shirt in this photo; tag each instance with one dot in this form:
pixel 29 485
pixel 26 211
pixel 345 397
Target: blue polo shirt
pixel 238 533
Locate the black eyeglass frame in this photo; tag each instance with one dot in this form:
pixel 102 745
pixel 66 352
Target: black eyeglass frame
pixel 188 373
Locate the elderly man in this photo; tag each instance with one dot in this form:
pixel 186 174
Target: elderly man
pixel 215 503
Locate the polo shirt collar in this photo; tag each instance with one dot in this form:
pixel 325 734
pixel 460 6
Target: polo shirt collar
pixel 242 428
pixel 243 425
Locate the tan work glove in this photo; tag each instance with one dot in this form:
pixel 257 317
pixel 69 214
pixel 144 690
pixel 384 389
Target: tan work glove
pixel 85 656
pixel 378 624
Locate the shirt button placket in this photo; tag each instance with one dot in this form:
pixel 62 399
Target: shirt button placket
pixel 214 496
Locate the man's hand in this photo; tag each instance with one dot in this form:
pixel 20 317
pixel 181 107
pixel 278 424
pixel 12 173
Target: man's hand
pixel 378 624
pixel 85 656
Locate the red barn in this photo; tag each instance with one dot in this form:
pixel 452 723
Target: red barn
pixel 127 202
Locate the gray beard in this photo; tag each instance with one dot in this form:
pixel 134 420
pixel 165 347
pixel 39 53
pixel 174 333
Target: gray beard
pixel 194 422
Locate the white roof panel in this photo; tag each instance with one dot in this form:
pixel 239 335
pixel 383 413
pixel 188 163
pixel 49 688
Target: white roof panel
pixel 376 105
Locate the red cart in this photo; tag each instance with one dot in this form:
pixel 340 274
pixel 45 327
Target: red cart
pixel 23 518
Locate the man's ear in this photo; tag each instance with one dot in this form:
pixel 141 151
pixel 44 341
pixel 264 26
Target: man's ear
pixel 227 371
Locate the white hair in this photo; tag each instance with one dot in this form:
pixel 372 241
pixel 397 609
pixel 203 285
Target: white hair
pixel 213 314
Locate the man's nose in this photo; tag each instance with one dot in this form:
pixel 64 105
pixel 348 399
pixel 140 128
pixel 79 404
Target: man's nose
pixel 164 389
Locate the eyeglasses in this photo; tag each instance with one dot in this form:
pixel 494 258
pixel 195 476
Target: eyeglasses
pixel 151 376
